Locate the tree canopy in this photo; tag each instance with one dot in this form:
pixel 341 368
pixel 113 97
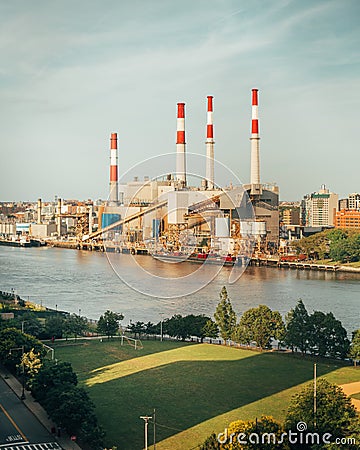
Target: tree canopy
pixel 264 433
pixel 12 341
pixel 334 414
pixel 326 336
pixel 355 346
pixel 297 324
pixel 109 323
pixel 74 325
pixel 225 317
pixel 261 325
pixel 338 244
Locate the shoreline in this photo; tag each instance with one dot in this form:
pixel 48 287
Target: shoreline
pixel 255 262
pixel 263 262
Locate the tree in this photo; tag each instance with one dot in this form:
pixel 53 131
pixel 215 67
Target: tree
pixel 108 324
pixel 151 329
pixel 355 347
pixel 327 337
pixel 69 407
pixel 265 433
pixel 12 341
pixel 177 327
pixel 54 386
pixel 54 326
pixel 315 246
pixel 261 325
pixel 137 328
pixel 75 325
pixel 32 363
pixel 210 329
pixel 346 249
pixel 297 328
pixel 335 414
pixel 52 375
pixel 225 317
pixel 29 323
pixel 195 325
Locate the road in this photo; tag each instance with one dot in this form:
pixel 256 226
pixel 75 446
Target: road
pixel 18 426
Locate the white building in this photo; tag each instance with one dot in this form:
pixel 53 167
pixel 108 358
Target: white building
pixel 319 208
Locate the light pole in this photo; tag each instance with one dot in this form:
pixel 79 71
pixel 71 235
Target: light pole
pixel 154 429
pixel 146 422
pixel 314 395
pixel 161 326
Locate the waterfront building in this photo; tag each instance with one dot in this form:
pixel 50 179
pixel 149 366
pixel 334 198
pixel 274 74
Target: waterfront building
pixel 347 218
pixel 318 209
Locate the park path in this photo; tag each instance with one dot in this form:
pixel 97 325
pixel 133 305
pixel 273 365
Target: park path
pixel 350 389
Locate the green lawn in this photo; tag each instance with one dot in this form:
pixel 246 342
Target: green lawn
pixel 356 396
pixel 195 388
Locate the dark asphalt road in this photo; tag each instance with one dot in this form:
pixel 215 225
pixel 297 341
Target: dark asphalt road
pixel 17 423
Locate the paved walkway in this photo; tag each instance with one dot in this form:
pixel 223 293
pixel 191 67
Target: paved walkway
pixel 350 389
pixel 38 411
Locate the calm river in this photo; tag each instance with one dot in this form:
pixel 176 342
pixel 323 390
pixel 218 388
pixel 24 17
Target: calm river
pixel 79 280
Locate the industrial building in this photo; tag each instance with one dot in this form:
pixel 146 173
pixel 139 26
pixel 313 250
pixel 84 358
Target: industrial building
pixel 171 215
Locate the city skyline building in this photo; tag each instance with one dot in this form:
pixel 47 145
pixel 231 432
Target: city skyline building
pixel 318 209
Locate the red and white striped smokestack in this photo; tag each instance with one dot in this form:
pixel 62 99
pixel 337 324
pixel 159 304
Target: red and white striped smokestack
pixel 180 145
pixel 113 196
pixel 255 157
pixel 210 144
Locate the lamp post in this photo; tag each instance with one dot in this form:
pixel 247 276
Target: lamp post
pixel 146 423
pixel 315 395
pixel 154 416
pixel 161 326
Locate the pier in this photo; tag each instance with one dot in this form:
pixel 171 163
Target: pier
pixel 301 265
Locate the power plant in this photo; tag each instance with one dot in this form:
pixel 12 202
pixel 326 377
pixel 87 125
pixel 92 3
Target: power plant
pixel 168 215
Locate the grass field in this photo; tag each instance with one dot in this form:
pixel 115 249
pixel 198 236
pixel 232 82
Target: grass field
pixel 195 388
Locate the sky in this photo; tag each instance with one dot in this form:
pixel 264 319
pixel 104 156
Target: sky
pixel 72 72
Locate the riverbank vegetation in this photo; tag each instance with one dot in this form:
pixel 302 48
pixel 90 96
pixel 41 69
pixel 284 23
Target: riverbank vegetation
pixel 337 245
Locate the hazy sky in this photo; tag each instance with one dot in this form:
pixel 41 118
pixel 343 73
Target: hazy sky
pixel 72 72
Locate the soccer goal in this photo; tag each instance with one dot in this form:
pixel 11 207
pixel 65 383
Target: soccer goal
pixel 136 343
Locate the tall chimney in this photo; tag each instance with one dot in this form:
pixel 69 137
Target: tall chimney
pixel 210 144
pixel 114 195
pixel 39 210
pixel 58 217
pixel 180 145
pixel 255 158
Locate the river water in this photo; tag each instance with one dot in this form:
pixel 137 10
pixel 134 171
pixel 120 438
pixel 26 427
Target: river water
pixel 73 280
